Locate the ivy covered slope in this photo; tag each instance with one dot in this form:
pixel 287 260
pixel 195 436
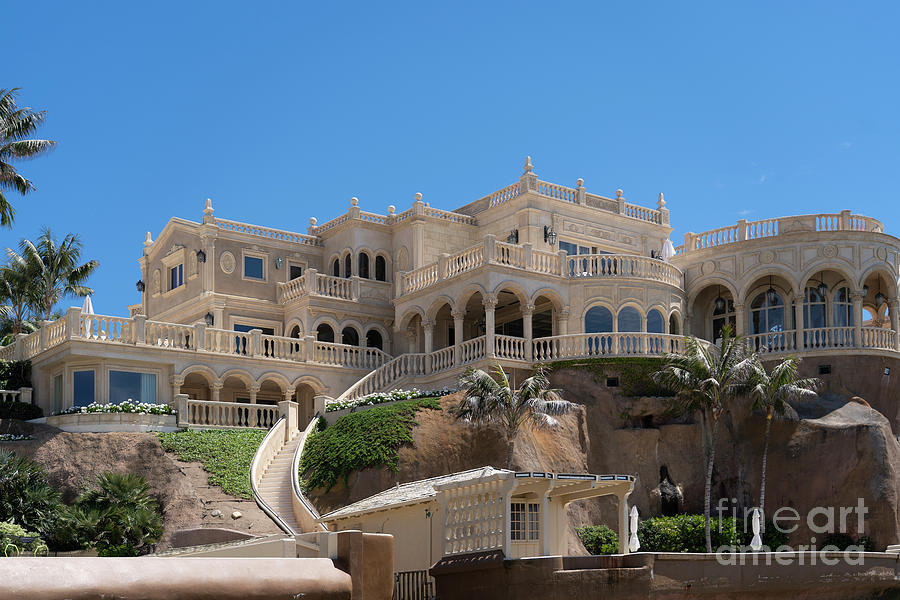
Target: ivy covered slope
pixel 634 372
pixel 225 454
pixel 369 438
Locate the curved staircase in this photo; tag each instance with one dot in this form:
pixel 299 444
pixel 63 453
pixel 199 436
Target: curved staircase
pixel 274 486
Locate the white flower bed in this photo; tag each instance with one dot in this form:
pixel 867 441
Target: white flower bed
pixel 383 397
pixel 11 437
pixel 129 406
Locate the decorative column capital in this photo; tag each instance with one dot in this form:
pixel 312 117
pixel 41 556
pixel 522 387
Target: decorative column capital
pixel 489 301
pixel 527 309
pixel 176 380
pixel 458 314
pixel 563 313
pixel 427 324
pixel 254 389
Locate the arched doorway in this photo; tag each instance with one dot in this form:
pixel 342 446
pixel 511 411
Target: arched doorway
pixel 350 336
pixel 324 333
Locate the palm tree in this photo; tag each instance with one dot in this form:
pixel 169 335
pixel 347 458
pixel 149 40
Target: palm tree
pixel 16 124
pixel 54 268
pixel 706 379
pixel 490 399
pixel 19 297
pixel 772 392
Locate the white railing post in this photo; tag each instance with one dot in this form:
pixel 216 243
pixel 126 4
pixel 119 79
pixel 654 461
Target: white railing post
pixel 181 407
pixel 742 230
pixel 442 265
pixel 689 241
pixel 44 333
pixel 894 305
pixel 579 191
pixel 354 288
pixel 140 329
pixel 398 283
pixel 846 220
pixel 528 256
pixel 200 335
pixel 490 303
pixel 459 321
pixel 255 348
pixel 563 263
pixel 25 395
pixel 20 346
pixel 527 312
pixel 490 246
pixel 73 322
pixel 309 348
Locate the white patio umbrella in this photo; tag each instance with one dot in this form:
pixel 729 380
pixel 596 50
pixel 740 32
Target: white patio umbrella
pixel 756 542
pixel 88 307
pixel 633 542
pixel 668 250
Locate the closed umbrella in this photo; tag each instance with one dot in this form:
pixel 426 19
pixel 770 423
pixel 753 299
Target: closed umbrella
pixel 633 542
pixel 88 323
pixel 88 307
pixel 756 542
pixel 668 250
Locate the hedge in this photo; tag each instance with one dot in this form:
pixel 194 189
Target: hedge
pixel 20 410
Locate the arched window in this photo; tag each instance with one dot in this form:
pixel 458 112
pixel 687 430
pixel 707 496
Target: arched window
pixel 598 320
pixel 295 332
pixel 380 269
pixel 723 314
pixel 842 308
pixel 629 319
pixel 363 265
pixel 350 336
pixel 336 267
pixel 348 265
pixel 767 313
pixel 674 327
pixel 373 339
pixel 813 309
pixel 324 333
pixel 655 322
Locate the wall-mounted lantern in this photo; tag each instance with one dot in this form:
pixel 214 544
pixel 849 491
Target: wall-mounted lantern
pixel 549 235
pixel 201 256
pixel 278 262
pixel 210 320
pixel 513 237
pixel 140 285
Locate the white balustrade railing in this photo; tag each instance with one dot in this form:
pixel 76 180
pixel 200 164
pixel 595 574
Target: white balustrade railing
pixel 9 395
pixel 773 342
pixel 295 288
pixel 442 360
pixel 511 255
pixel 420 279
pixel 170 335
pixel 447 215
pixel 334 287
pixel 472 350
pixel 586 345
pixel 642 213
pixel 223 341
pixel 108 329
pixel 56 332
pixel 619 265
pixel 552 190
pixel 503 195
pixel 373 218
pixel 345 355
pixel 879 337
pixel 387 376
pixel 716 237
pixel 828 337
pixel 8 352
pixel 468 259
pixel 283 348
pixel 266 232
pixel 509 347
pixel 762 229
pixel 207 413
pixel 545 263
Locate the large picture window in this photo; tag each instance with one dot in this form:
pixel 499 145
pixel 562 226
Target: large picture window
pixel 598 319
pixel 842 307
pixel 129 385
pixel 83 387
pixel 253 268
pixel 767 313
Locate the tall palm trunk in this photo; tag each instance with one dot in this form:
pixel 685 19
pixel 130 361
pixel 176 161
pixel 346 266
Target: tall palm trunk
pixel 510 444
pixel 707 492
pixel 762 487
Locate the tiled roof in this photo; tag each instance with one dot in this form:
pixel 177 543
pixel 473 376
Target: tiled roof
pixel 409 493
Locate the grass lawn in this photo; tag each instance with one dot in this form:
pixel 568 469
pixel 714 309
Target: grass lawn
pixel 225 453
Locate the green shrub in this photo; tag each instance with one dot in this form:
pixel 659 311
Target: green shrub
pixel 226 455
pixel 321 424
pixel 685 533
pixel 20 410
pixel 842 541
pixel 599 539
pixel 15 374
pixel 635 373
pixel 118 517
pixel 26 497
pixel 12 544
pixel 368 438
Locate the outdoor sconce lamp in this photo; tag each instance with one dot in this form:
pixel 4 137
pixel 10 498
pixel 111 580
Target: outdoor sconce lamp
pixel 201 256
pixel 210 320
pixel 720 302
pixel 771 294
pixel 513 237
pixel 140 285
pixel 823 289
pixel 278 262
pixel 549 235
pixel 879 297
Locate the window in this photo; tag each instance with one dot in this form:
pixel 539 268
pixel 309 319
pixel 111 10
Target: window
pixel 655 322
pixel 373 339
pixel 348 262
pixel 57 393
pixel 83 388
pixel 336 268
pixel 254 268
pixel 176 276
pixel 363 260
pixel 295 271
pixel 248 328
pixel 842 308
pixel 350 336
pixel 324 333
pixel 629 319
pixel 813 309
pixel 380 269
pixel 524 521
pixel 723 316
pixel 674 329
pixel 598 320
pixel 767 313
pixel 128 385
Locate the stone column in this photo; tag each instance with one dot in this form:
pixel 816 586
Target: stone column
pixel 140 329
pixel 459 320
pixel 73 322
pixel 214 390
pixel 562 321
pixel 255 348
pixel 894 304
pixel 857 300
pixel 428 328
pixel 254 390
pixel 798 319
pixel 177 381
pixel 527 313
pixel 489 303
pixel 623 522
pixel 740 319
pixel 687 325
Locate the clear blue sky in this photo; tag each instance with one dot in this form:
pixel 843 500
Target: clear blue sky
pixel 282 111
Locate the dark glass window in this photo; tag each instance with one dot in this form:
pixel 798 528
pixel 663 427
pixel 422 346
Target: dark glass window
pixel 83 387
pixel 295 271
pixel 253 267
pixel 380 269
pixel 598 320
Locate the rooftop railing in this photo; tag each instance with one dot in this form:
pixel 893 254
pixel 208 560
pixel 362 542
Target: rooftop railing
pixel 765 228
pixel 313 283
pixel 266 232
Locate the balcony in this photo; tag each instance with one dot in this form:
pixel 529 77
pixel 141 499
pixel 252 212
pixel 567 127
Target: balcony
pixel 312 283
pixel 553 264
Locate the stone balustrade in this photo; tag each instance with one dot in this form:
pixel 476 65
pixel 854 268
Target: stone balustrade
pixel 224 415
pixel 750 230
pixel 526 258
pixel 313 283
pixel 266 232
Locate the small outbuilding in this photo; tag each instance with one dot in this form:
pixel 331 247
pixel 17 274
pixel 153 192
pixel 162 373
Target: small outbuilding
pixel 521 514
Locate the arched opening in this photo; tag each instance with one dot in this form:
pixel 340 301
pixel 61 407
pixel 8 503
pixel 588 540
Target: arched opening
pixel 305 396
pixel 771 323
pixel 234 389
pixel 629 319
pixel 878 290
pixel 474 322
pixel 363 265
pixel 444 328
pixel 542 318
pixel 598 319
pixel 196 386
pixel 350 336
pixel 411 334
pixel 655 322
pixel 295 332
pixel 713 309
pixel 336 267
pixel 374 340
pixel 348 265
pixel 324 333
pixel 269 393
pixel 508 315
pixel 380 268
pixel 842 308
pixel 674 325
pixel 827 311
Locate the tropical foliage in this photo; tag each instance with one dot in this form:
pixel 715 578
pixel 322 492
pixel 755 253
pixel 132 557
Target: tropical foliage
pixel 369 438
pixel 16 126
pixel 598 539
pixel 20 410
pixel 26 497
pixel 490 399
pixel 15 539
pixel 707 378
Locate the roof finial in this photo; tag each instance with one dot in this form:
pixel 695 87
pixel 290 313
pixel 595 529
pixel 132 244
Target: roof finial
pixel 312 221
pixel 147 241
pixel 418 196
pixel 528 166
pixel 619 193
pixel 661 202
pixel 354 201
pixel 209 209
pixel 391 209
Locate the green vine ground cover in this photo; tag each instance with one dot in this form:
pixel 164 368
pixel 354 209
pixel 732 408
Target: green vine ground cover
pixel 359 440
pixel 225 453
pixel 635 373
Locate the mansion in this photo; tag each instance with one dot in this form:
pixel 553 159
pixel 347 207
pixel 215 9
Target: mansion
pixel 237 317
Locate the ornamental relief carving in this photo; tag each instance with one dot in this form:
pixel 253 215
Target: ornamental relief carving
pixel 227 262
